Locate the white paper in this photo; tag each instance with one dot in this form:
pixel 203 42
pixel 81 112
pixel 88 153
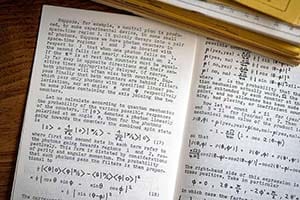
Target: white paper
pixel 106 108
pixel 242 138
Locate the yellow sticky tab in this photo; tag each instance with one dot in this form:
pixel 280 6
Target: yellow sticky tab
pixel 286 10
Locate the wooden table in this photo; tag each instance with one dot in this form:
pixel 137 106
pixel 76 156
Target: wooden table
pixel 19 21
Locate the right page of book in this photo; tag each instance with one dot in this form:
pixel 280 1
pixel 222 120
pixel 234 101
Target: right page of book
pixel 242 137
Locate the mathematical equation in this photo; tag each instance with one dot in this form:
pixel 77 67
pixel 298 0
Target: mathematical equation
pixel 205 188
pixel 99 132
pixel 73 182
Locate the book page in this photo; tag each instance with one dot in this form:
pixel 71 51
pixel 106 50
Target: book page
pixel 242 137
pixel 106 108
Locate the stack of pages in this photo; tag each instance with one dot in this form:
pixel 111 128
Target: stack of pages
pixel 230 22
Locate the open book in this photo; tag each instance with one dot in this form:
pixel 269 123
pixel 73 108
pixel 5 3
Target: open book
pixel 121 107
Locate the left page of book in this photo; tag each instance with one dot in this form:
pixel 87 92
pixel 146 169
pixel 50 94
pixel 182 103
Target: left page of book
pixel 106 108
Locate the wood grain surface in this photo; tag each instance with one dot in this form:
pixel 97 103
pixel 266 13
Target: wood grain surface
pixel 19 22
